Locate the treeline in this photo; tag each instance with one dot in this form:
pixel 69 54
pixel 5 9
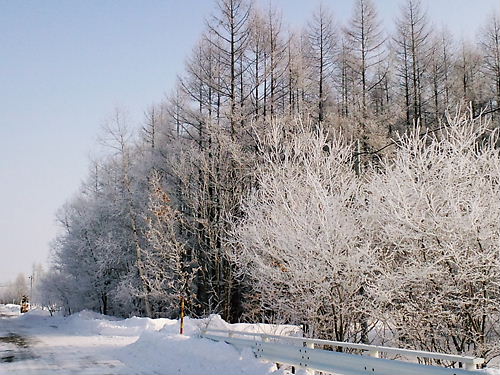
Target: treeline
pixel 257 189
pixel 14 291
pixel 22 285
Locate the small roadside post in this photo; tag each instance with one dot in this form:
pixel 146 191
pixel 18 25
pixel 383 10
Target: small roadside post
pixel 181 331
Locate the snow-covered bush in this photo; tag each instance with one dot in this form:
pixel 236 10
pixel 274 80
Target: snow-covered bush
pixel 434 215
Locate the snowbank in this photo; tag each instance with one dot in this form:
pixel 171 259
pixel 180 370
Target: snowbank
pixel 166 351
pixel 173 354
pixel 10 309
pixel 91 323
pixel 216 322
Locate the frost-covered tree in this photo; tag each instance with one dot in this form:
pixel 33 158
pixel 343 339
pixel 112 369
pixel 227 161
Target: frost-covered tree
pixel 90 254
pixel 411 43
pixel 300 241
pixel 168 266
pixel 366 40
pixel 439 75
pixel 322 43
pixel 470 84
pixel 229 35
pixel 490 43
pixel 131 200
pixel 434 220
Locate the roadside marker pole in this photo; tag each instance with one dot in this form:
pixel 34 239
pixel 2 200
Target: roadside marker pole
pixel 182 316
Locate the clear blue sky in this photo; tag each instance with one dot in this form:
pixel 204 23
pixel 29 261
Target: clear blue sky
pixel 65 65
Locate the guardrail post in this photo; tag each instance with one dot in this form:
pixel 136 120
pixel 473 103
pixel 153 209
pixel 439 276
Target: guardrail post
pixel 470 366
pixel 374 353
pixel 309 345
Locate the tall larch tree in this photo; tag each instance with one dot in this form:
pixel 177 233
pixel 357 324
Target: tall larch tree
pixel 412 50
pixel 322 41
pixel 366 40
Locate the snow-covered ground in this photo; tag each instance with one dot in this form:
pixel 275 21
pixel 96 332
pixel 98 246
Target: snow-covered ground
pixel 89 343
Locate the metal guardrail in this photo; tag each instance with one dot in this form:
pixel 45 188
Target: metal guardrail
pixel 308 354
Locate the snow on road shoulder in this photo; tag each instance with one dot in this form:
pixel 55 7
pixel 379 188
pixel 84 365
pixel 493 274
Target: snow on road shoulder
pixel 176 354
pixel 9 310
pixel 216 322
pixel 166 351
pixel 91 323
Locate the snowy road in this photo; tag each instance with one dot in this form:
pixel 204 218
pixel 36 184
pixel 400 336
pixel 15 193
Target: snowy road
pixel 88 343
pixel 38 344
